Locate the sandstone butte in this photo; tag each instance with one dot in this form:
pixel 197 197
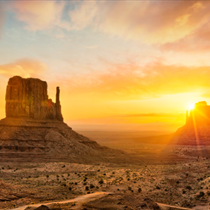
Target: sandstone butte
pixel 196 130
pixel 33 129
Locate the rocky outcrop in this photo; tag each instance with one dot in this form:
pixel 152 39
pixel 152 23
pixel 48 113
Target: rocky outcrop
pixel 28 98
pixel 34 129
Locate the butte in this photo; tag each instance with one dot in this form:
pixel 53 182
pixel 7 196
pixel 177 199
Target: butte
pixel 33 129
pixel 196 130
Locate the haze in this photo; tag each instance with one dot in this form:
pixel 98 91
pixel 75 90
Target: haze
pixel 120 65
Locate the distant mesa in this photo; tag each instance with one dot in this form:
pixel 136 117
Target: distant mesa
pixel 33 129
pixel 196 130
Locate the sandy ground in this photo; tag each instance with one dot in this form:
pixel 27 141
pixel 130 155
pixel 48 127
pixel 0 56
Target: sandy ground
pixel 184 184
pixel 169 175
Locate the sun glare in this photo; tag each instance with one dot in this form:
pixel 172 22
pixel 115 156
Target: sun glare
pixel 191 106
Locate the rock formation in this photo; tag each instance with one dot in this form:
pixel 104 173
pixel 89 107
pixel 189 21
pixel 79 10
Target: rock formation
pixel 28 98
pixel 196 130
pixel 34 129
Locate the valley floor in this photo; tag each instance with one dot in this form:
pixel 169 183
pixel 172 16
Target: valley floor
pixel 183 184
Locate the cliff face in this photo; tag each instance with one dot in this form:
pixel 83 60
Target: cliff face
pixel 28 98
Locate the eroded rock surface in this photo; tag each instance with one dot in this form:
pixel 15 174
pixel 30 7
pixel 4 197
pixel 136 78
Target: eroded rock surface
pixel 34 128
pixel 28 98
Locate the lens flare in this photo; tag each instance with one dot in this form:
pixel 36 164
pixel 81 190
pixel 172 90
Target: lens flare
pixel 191 106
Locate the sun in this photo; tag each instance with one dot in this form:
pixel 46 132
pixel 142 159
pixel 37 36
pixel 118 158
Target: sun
pixel 191 106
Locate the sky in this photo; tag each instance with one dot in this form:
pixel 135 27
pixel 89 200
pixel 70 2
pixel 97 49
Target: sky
pixel 120 64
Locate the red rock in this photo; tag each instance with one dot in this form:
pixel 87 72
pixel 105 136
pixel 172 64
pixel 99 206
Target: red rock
pixel 28 98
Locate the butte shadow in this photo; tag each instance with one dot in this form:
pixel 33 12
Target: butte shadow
pixel 33 129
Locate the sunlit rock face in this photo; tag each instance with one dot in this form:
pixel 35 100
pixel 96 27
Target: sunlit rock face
pixel 196 131
pixel 28 98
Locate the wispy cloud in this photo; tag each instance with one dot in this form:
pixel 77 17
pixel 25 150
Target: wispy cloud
pixel 130 81
pixel 148 21
pixel 148 115
pixel 25 68
pixel 198 41
pixel 39 15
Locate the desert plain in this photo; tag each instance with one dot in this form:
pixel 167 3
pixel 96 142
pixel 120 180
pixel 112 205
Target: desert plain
pixel 164 177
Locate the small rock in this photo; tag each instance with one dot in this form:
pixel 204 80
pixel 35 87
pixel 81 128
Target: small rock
pixel 42 207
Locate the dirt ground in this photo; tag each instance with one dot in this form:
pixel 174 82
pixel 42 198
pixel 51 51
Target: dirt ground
pixel 167 175
pixel 183 184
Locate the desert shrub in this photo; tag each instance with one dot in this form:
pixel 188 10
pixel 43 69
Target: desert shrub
pixel 70 188
pixel 92 186
pixel 63 166
pixel 63 184
pixel 158 187
pixel 47 176
pixel 68 174
pixel 183 191
pixel 139 190
pixel 85 183
pixel 201 194
pixel 187 204
pixel 177 182
pixel 75 183
pixel 208 193
pixel 101 181
pixel 104 174
pixel 113 172
pixel 129 188
pixel 188 187
pixel 86 188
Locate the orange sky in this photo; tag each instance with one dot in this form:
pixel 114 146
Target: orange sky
pixel 119 64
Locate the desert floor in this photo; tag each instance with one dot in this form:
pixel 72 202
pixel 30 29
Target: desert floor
pixel 183 183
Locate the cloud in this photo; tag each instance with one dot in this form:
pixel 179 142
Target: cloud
pixel 156 22
pixel 148 21
pixel 83 15
pixel 149 115
pixel 24 68
pixel 198 41
pixel 39 15
pixel 130 81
